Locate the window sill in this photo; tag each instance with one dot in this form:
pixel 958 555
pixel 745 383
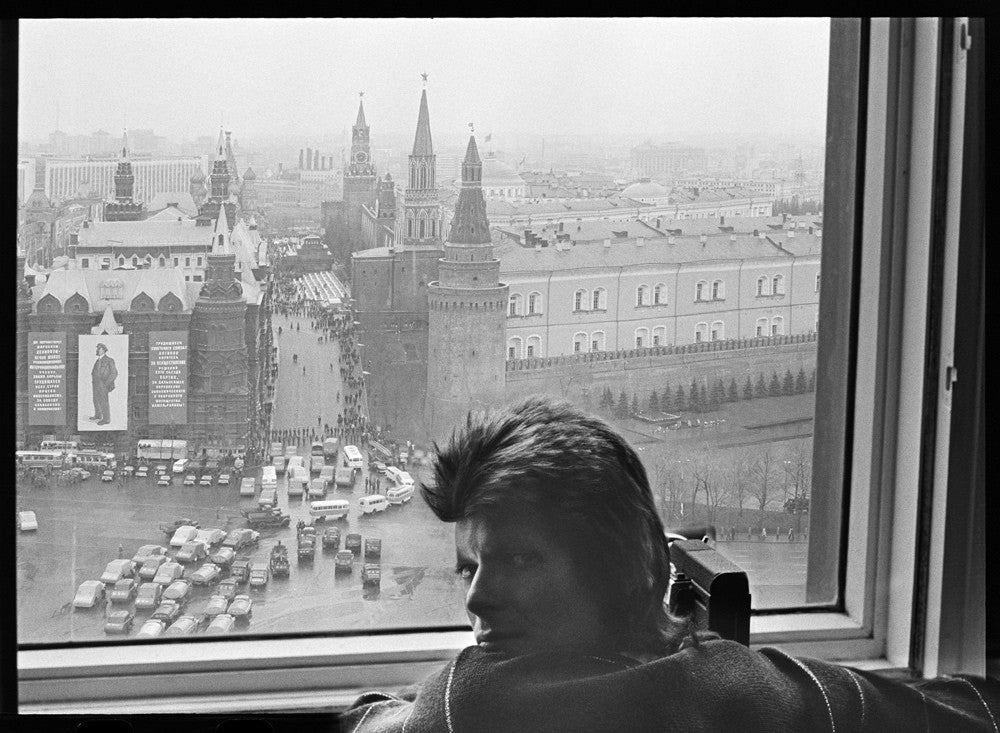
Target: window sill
pixel 317 674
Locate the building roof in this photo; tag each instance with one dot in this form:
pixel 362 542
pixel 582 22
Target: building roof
pixel 592 230
pixel 470 224
pixel 156 283
pixel 145 233
pixel 645 188
pixel 803 244
pixel 496 173
pixel 377 252
pixel 249 175
pixel 422 144
pixel 181 199
pixel 655 251
pixel 170 213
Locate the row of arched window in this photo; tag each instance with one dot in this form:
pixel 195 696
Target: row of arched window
pixel 715 291
pixel 77 304
pixel 773 285
pixel 424 226
pixel 596 300
pixel 517 302
pixel 422 176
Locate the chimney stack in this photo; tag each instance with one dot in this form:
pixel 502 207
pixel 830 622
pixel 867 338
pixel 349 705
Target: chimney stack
pixel 560 226
pixel 756 232
pixel 538 246
pixel 640 242
pixel 819 233
pixel 302 154
pixel 309 158
pixel 732 238
pixel 670 239
pixel 607 244
pixel 791 233
pixel 703 238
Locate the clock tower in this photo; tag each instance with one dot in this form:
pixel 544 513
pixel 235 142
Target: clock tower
pixel 359 177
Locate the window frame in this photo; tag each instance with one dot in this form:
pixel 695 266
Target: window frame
pixel 867 424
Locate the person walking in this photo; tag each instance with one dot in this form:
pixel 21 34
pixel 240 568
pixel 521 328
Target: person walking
pixel 121 550
pixel 763 534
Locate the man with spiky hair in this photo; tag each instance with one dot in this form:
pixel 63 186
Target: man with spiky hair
pixel 565 565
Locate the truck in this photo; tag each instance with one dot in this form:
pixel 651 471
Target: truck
pixel 371 574
pixel 344 477
pixel 279 560
pixel 240 570
pixel 353 543
pixel 296 485
pixel 154 449
pixel 307 543
pixel 259 574
pixel 373 549
pixel 267 518
pixel 330 450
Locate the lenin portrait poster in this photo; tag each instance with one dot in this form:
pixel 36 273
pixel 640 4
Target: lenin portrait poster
pixel 102 383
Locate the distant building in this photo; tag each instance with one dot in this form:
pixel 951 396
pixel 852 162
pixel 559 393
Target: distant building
pixel 665 161
pixel 63 177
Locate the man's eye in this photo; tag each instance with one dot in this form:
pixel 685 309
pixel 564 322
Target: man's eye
pixel 465 572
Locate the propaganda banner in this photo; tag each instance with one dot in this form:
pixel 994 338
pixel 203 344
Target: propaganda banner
pixel 168 376
pixel 102 383
pixel 46 378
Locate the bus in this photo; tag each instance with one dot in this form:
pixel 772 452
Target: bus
pixel 92 459
pixel 39 458
pixel 352 457
pixel 61 445
pixel 154 449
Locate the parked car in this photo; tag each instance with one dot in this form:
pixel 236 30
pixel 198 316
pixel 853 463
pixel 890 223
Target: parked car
pixel 221 624
pixel 167 611
pixel 223 557
pixel 240 570
pixel 353 543
pixel 259 574
pixel 380 467
pixel 116 570
pixel 124 590
pixel 168 573
pixel 179 590
pixel 206 480
pixel 192 551
pixel 228 589
pixel 344 562
pixel 148 596
pixel 142 472
pixel 88 594
pixel 206 574
pixel 331 538
pixel 373 549
pixel 161 469
pixel 147 551
pixel 223 479
pixel 183 534
pixel 26 521
pixel 128 471
pixel 241 608
pixel 169 528
pixel 211 536
pixel 151 566
pixel 240 538
pixel 151 629
pixel 165 479
pixel 371 574
pixel 183 626
pixel 216 604
pixel 190 480
pixel 119 622
pixel 108 476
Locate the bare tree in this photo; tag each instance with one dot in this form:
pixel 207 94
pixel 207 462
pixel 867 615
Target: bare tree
pixel 762 471
pixel 739 480
pixel 798 468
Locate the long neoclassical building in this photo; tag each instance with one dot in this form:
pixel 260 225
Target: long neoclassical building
pixel 639 292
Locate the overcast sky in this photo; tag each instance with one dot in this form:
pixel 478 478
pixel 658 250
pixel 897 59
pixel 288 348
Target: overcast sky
pixel 548 76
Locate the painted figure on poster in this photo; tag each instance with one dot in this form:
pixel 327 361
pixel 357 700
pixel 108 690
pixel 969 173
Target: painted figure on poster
pixel 103 378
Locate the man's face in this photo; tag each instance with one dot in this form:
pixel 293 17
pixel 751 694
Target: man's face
pixel 99 351
pixel 524 592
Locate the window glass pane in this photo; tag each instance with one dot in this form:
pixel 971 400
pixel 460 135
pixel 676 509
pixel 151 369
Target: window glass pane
pixel 288 349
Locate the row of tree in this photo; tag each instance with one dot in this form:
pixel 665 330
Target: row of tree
pixel 719 486
pixel 699 398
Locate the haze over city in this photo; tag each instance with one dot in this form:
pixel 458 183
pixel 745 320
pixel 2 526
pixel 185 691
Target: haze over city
pixel 697 80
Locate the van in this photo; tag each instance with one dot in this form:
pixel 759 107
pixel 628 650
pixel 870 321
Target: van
pixel 399 494
pixel 279 464
pixel 317 489
pixel 330 508
pixel 373 503
pixel 180 466
pixel 268 478
pixel 296 486
pixel 398 476
pixel 248 486
pixel 352 457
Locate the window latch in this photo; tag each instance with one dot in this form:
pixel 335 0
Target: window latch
pixel 950 377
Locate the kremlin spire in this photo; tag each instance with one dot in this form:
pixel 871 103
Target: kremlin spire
pixel 422 144
pixel 361 112
pixel 470 225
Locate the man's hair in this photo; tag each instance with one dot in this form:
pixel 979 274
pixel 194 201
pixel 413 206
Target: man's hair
pixel 102 346
pixel 589 486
